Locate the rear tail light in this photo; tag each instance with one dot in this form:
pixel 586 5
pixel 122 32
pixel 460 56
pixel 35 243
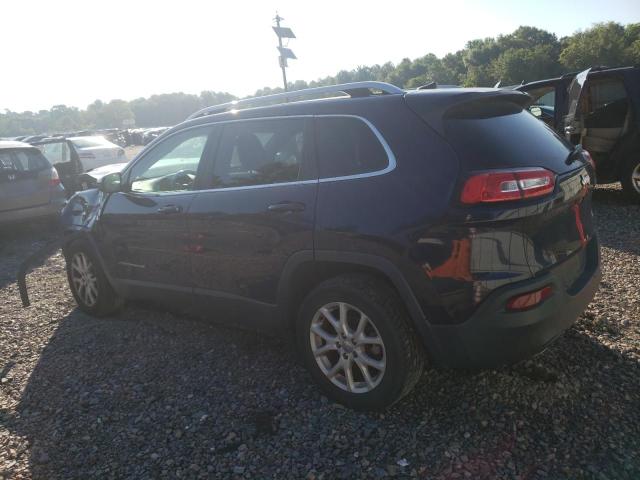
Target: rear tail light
pixel 54 181
pixel 505 185
pixel 529 300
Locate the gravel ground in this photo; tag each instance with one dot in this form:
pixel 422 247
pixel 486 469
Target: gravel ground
pixel 146 394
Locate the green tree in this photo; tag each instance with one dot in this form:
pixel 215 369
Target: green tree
pixel 603 44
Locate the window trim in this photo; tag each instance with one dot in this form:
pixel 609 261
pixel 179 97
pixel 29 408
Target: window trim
pixel 212 137
pixel 391 158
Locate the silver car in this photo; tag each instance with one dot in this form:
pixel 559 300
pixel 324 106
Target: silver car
pixel 29 186
pixel 96 151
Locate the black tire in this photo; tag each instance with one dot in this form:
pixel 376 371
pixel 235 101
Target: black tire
pixel 106 300
pixel 381 304
pixel 630 191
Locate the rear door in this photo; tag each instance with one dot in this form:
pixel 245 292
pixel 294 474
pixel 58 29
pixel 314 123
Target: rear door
pixel 258 212
pixel 24 179
pixel 143 231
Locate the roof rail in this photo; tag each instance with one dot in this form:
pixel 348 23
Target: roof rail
pixel 355 89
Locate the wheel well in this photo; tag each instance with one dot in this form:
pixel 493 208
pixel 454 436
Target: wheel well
pixel 311 274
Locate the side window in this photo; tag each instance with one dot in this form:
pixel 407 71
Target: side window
pixel 260 152
pixel 22 161
pixel 7 162
pixel 172 165
pixel 347 146
pixel 543 97
pixel 605 104
pixel 601 93
pixel 30 161
pixel 56 152
pixel 543 105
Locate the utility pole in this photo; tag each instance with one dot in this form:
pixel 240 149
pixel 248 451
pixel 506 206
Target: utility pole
pixel 285 53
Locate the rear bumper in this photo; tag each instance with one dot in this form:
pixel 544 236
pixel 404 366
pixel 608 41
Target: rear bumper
pixel 493 336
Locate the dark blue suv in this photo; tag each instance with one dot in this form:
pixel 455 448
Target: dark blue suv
pixel 383 229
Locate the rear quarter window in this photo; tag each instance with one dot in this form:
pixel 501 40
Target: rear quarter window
pixel 347 146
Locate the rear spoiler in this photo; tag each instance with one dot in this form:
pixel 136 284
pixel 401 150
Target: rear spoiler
pixel 434 106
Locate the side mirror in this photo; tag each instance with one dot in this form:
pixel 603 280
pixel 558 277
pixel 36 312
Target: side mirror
pixel 110 183
pixel 536 111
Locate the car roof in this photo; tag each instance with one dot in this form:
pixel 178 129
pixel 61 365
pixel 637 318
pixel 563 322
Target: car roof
pixel 6 144
pixel 441 98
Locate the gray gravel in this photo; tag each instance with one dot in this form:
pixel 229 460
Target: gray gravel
pixel 147 394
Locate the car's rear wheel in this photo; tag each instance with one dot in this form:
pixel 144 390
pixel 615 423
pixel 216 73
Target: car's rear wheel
pixel 355 339
pixel 630 178
pixel 88 283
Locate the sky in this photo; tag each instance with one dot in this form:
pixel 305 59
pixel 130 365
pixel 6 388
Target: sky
pixel 74 52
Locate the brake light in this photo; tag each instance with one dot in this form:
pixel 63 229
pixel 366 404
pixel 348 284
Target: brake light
pixel 54 181
pixel 505 185
pixel 529 300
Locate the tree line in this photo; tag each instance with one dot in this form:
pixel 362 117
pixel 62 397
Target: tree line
pixel 525 55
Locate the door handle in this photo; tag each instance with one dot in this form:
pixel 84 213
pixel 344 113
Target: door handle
pixel 170 209
pixel 284 207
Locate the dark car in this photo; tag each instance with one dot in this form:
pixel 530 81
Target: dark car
pixel 381 229
pixel 29 186
pixel 599 109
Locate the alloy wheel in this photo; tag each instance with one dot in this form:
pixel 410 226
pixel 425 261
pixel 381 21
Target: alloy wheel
pixel 84 279
pixel 347 347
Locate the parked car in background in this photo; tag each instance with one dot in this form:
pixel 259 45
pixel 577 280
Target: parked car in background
pixel 96 151
pixel 62 154
pixel 381 229
pixel 74 155
pixel 30 187
pixel 598 108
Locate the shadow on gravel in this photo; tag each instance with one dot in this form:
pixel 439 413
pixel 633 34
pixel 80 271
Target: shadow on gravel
pixel 17 242
pixel 147 395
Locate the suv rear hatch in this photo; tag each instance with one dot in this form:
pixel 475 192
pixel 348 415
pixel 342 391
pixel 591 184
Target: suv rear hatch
pixel 492 131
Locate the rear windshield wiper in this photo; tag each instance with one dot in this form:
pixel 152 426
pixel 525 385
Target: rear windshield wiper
pixel 574 154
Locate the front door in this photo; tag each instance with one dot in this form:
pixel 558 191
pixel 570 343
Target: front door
pixel 143 230
pixel 258 212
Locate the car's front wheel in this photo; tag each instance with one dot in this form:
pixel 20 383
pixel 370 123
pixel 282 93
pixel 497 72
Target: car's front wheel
pixel 355 339
pixel 88 283
pixel 630 178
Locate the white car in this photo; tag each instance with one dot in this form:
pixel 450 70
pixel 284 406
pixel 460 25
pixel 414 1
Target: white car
pixel 96 151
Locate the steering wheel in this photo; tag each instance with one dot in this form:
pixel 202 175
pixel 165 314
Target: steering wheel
pixel 183 179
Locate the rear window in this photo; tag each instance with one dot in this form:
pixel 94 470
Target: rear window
pixel 347 146
pixel 22 161
pixel 86 142
pixel 506 138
